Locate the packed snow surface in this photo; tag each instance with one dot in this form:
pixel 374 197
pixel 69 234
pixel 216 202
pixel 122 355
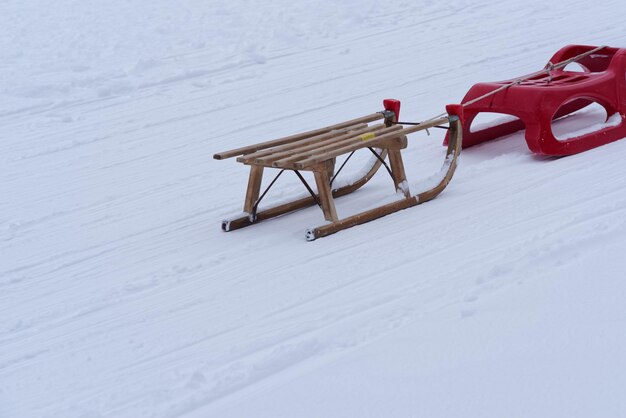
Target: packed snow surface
pixel 121 297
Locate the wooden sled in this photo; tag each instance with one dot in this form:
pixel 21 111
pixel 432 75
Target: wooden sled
pixel 317 150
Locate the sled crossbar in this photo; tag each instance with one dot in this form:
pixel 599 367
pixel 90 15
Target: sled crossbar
pixel 317 150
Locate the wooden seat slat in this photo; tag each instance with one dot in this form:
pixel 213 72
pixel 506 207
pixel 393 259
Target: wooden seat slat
pixel 248 158
pixel 300 165
pixel 308 148
pixel 356 138
pixel 280 141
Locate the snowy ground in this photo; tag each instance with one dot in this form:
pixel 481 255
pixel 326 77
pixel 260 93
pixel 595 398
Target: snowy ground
pixel 120 296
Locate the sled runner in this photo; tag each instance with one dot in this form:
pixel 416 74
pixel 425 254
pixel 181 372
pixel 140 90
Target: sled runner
pixel 316 151
pixel 539 98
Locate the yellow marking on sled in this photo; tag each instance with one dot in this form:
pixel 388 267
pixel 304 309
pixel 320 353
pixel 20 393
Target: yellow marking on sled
pixel 365 137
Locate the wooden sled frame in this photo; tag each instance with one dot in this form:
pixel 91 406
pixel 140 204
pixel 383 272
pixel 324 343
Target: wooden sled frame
pixel 317 150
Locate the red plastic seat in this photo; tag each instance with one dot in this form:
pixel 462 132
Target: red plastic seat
pixel 543 98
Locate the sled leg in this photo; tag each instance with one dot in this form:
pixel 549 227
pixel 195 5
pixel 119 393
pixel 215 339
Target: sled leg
pixel 254 188
pixel 397 171
pixel 327 203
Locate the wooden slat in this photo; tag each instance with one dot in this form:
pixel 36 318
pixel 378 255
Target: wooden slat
pixel 326 145
pixel 312 146
pixel 291 138
pixel 248 158
pixel 379 141
pixel 300 165
pixel 346 141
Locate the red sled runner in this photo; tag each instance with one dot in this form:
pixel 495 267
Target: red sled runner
pixel 539 98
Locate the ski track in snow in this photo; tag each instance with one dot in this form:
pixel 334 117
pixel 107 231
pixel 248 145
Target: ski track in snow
pixel 120 296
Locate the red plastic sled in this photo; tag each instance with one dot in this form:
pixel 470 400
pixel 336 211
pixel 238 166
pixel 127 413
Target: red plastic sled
pixel 539 99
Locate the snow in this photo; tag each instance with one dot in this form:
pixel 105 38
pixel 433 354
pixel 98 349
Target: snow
pixel 120 296
pixel 486 120
pixel 612 121
pixel 356 175
pixel 434 180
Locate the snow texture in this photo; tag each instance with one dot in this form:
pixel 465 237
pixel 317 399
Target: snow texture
pixel 120 296
pixel 612 121
pixel 493 119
